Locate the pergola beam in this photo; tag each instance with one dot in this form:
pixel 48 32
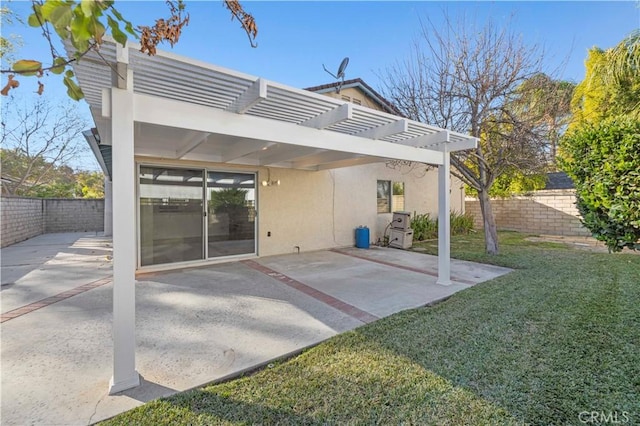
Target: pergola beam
pixel 242 148
pixel 389 129
pixel 331 117
pixel 432 139
pixel 254 94
pixel 191 142
pixel 167 112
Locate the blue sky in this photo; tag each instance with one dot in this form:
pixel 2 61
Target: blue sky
pixel 296 38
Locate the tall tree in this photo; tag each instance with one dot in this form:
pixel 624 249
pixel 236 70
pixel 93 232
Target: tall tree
pixel 38 141
pixel 84 24
pixel 601 151
pixel 611 86
pixel 550 101
pixel 468 79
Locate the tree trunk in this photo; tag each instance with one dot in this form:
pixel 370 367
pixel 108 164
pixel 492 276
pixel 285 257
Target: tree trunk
pixel 489 221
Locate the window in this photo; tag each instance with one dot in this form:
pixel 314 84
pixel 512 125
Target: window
pixel 346 98
pixel 397 201
pixel 357 101
pixel 390 196
pixel 384 196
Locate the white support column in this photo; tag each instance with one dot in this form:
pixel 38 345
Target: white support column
pixel 108 208
pixel 125 375
pixel 444 220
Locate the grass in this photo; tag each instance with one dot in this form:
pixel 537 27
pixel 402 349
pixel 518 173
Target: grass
pixel 558 336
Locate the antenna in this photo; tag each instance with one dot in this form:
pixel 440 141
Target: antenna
pixel 340 74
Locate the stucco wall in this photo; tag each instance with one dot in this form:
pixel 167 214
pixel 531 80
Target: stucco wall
pixel 23 218
pixel 319 210
pixel 549 212
pixel 316 210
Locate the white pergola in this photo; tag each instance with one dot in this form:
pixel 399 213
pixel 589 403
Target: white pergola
pixel 182 109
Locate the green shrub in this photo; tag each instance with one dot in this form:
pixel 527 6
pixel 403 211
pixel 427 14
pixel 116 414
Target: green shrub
pixel 426 228
pixel 461 223
pixel 604 162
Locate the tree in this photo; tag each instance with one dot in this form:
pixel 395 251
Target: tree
pixel 89 184
pixel 550 101
pixel 611 86
pixel 603 159
pixel 84 24
pixel 8 43
pixel 38 142
pixel 472 81
pixel 601 152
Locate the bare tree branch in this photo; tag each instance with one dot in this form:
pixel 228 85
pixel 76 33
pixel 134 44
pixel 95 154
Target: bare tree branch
pixel 472 80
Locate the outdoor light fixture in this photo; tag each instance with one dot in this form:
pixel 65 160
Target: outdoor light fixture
pixel 268 181
pixel 271 182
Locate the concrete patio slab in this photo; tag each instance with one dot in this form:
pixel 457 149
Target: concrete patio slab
pixel 51 264
pixel 193 325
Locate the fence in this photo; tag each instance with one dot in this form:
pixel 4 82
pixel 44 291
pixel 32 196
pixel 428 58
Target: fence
pixel 23 218
pixel 548 212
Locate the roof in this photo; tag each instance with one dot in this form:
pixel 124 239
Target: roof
pixel 101 151
pixel 558 180
pixel 360 84
pixel 185 109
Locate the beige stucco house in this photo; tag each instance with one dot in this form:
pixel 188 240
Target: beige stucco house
pixel 210 164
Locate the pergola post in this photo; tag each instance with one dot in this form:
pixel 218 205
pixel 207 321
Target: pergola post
pixel 444 219
pixel 125 375
pixel 108 207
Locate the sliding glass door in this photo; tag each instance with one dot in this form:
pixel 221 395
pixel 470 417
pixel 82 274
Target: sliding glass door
pixel 180 210
pixel 171 215
pixel 231 213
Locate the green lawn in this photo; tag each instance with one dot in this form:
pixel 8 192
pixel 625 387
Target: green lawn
pixel 558 336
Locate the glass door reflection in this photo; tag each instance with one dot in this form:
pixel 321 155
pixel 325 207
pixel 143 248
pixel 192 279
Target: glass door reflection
pixel 231 213
pixel 171 210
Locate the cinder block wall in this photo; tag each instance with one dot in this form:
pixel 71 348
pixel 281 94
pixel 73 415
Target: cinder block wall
pixel 81 215
pixel 22 218
pixel 549 212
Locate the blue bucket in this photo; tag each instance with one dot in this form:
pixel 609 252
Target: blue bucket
pixel 362 237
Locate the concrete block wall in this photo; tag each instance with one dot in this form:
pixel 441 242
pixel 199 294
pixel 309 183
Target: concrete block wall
pixel 548 212
pixel 75 215
pixel 24 218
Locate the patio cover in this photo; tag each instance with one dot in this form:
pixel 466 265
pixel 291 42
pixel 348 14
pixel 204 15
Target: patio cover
pixel 179 108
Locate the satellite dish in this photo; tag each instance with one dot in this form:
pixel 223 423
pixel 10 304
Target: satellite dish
pixel 342 67
pixel 340 74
